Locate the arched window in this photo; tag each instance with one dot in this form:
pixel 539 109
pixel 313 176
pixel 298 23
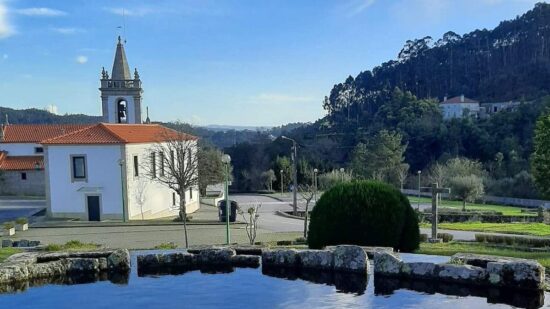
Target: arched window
pixel 122 111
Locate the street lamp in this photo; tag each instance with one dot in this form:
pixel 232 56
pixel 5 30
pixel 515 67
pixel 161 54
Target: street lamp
pixel 122 162
pixel 315 171
pixel 419 172
pixel 282 184
pixel 226 160
pixel 294 155
pixel 342 173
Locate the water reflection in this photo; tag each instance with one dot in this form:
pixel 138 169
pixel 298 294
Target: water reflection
pixel 344 282
pixel 160 271
pixel 516 298
pixel 21 286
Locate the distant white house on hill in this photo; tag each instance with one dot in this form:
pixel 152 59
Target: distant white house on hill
pixel 458 107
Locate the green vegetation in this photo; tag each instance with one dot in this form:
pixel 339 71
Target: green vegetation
pixel 513 240
pixel 364 213
pixel 166 246
pixel 453 248
pixel 22 221
pixel 541 155
pixel 72 245
pixel 533 229
pixel 505 210
pixel 6 252
pixel 9 225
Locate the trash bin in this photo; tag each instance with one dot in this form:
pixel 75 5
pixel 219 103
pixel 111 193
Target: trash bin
pixel 232 213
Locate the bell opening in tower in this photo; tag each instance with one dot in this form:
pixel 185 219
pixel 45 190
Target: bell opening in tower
pixel 122 111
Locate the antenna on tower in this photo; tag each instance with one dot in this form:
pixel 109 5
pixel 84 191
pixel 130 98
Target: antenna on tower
pixel 124 25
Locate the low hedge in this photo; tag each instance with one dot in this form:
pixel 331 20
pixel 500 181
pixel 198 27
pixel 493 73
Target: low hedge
pixel 365 213
pixel 511 240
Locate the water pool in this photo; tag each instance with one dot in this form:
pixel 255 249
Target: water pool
pixel 250 288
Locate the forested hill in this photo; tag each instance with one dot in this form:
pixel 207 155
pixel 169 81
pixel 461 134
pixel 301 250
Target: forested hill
pixel 33 115
pixel 510 62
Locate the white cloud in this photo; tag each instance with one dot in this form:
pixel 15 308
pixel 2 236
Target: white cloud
pixel 355 7
pixel 126 12
pixel 5 27
pixel 81 59
pixel 67 30
pixel 47 12
pixel 280 98
pixel 52 108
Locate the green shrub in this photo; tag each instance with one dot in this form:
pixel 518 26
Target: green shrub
pixel 284 242
pixel 300 240
pixel 22 221
pixel 8 225
pixel 423 237
pixel 364 213
pixel 514 240
pixel 446 237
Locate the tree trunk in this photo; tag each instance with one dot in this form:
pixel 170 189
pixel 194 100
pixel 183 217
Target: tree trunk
pixel 306 215
pixel 183 216
pixel 463 205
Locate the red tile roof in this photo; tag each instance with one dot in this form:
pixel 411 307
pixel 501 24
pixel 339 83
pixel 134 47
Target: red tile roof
pixel 34 133
pixel 20 163
pixel 458 99
pixel 105 133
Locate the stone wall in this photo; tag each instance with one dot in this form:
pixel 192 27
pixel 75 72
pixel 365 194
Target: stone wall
pixel 12 183
pixel 466 269
pixel 30 266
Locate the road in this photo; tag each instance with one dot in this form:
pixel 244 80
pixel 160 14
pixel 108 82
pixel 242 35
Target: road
pixel 268 219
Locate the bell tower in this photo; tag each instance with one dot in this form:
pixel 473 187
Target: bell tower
pixel 121 94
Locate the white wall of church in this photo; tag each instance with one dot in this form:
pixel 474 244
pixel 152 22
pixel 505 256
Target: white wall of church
pixel 67 198
pixel 112 108
pixel 147 195
pixel 20 149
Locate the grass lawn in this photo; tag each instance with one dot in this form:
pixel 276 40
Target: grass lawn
pixel 534 229
pixel 453 248
pixel 6 252
pixel 506 210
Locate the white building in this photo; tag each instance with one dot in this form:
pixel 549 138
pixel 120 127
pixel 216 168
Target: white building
pixel 98 173
pixel 458 107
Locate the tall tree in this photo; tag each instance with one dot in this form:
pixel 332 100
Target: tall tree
pixel 541 155
pixel 211 168
pixel 173 162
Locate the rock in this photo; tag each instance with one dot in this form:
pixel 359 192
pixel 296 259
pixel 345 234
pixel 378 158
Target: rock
pixel 246 250
pixel 418 270
pixel 368 249
pixel 6 243
pixel 350 258
pixel 34 243
pixel 245 261
pixel 82 265
pixel 280 257
pixel 481 260
pixel 148 261
pixel 23 243
pixel 461 273
pixel 316 259
pixel 48 269
pixel 525 274
pixel 387 264
pixel 216 256
pixel 119 260
pixel 103 264
pixel 13 272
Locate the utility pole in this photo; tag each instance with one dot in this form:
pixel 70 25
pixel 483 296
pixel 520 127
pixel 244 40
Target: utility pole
pixel 294 174
pixel 282 184
pixel 418 206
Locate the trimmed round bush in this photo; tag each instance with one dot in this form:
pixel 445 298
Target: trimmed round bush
pixel 365 213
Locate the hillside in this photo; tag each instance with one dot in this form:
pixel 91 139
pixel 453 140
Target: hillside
pixel 33 115
pixel 510 62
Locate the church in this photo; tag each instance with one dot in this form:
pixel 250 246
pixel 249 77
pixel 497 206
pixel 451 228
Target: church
pixel 95 172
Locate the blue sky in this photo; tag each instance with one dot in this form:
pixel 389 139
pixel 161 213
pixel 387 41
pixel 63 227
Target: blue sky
pixel 247 62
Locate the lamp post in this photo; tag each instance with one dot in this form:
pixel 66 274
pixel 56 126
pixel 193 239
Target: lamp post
pixel 121 162
pixel 315 171
pixel 294 174
pixel 226 159
pixel 282 184
pixel 342 174
pixel 419 172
